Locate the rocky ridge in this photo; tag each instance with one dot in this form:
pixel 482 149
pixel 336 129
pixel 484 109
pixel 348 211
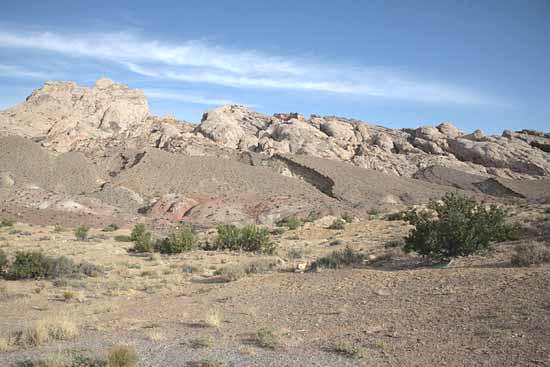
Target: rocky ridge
pixel 99 152
pixel 65 117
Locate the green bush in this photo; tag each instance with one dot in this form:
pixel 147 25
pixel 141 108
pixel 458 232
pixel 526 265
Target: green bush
pixel 110 228
pixel 291 222
pixel 142 239
pixel 3 261
pixel 179 241
pixel 249 238
pixel 33 265
pixel 532 253
pixel 339 259
pixel 81 232
pixel 456 226
pixel 338 223
pixel 7 222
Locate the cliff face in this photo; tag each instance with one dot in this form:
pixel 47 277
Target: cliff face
pixel 64 117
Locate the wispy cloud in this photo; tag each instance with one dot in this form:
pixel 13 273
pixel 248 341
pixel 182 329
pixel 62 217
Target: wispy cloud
pixel 173 95
pixel 19 72
pixel 199 62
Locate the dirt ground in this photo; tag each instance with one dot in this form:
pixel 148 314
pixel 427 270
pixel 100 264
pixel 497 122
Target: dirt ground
pixel 478 311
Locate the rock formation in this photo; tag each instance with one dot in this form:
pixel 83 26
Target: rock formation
pixel 65 117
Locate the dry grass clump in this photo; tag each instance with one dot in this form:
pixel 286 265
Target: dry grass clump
pixel 46 330
pixel 6 344
pixel 213 319
pixel 202 342
pixel 349 350
pixel 532 253
pixel 122 356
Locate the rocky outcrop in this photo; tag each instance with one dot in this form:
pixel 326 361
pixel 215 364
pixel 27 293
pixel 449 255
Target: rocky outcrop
pixel 64 117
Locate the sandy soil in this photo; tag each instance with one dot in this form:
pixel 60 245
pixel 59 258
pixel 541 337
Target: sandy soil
pixel 477 311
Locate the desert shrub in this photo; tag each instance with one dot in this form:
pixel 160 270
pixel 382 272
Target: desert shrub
pixel 268 338
pixel 532 253
pixel 3 261
pixel 142 239
pixel 256 239
pixel 291 222
pixel 58 267
pixel 338 223
pixel 81 232
pixel 36 265
pixel 122 238
pixel 347 217
pixel 339 259
pixel 249 238
pixel 122 356
pixel 7 222
pixel 29 265
pixel 349 350
pixel 295 253
pixel 110 228
pixel 179 241
pixel 456 226
pixel 213 319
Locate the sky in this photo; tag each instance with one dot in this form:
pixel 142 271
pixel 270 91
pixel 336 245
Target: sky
pixel 479 64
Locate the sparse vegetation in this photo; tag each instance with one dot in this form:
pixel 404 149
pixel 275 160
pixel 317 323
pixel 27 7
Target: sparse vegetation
pixel 338 224
pixel 122 356
pixel 249 238
pixel 62 361
pixel 122 238
pixel 142 239
pixel 179 241
pixel 295 253
pixel 339 259
pixel 456 226
pixel 230 273
pixel 202 342
pixel 45 331
pixel 532 253
pixel 268 338
pixel 7 222
pixel 81 233
pixel 349 350
pixel 110 228
pixel 36 265
pixel 292 222
pixel 33 265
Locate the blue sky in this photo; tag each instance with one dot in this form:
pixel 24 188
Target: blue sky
pixel 479 64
